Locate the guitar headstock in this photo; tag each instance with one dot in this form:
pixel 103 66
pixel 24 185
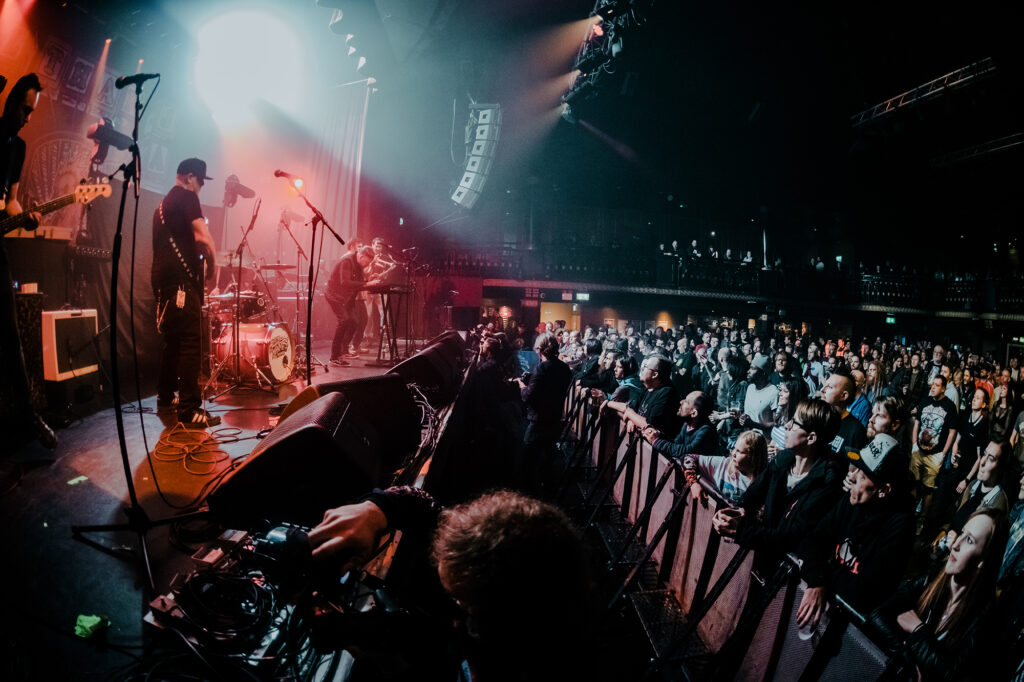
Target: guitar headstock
pixel 86 193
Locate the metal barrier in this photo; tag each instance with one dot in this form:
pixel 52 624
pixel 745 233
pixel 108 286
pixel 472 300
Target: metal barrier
pixel 712 611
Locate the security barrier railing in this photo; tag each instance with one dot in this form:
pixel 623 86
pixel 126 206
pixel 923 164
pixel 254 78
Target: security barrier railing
pixel 708 613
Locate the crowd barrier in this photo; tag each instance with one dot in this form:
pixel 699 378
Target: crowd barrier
pixel 704 606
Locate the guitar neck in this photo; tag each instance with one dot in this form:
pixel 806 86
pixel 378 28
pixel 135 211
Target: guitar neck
pixel 20 220
pixel 53 205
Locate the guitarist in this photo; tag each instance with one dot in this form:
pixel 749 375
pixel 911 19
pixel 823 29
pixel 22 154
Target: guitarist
pixel 18 108
pixel 182 253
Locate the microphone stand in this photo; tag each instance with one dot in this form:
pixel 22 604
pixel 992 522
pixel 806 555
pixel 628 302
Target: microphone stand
pixel 138 521
pixel 318 219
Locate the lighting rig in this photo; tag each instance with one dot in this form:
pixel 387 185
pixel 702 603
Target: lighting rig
pixel 611 22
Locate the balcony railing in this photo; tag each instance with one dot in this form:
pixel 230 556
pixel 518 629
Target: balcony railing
pixel 624 267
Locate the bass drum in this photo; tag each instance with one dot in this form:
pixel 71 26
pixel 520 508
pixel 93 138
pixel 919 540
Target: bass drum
pixel 266 352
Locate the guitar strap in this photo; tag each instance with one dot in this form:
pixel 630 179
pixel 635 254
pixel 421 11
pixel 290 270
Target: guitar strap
pixel 190 277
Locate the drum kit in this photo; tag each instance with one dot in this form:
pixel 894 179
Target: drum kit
pixel 244 314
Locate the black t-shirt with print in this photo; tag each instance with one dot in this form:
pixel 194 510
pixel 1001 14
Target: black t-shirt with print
pixel 936 418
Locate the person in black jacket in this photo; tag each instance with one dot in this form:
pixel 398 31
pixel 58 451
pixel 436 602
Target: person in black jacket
pixel 937 628
pixel 543 397
pixel 861 548
pixel 796 490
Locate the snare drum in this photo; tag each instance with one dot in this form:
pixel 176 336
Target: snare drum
pixel 263 348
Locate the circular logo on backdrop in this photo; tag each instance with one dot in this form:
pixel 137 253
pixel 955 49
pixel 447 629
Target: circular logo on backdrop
pixel 55 164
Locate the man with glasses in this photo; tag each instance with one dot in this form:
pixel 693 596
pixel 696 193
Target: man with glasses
pixel 183 254
pixel 657 405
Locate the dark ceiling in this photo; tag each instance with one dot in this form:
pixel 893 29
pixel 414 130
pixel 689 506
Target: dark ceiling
pixel 741 110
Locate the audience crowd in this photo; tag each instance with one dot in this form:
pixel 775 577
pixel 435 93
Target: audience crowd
pixel 892 470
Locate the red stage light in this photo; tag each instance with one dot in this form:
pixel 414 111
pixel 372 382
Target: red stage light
pixel 598 31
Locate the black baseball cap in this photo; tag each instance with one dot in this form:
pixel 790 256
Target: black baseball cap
pixel 193 166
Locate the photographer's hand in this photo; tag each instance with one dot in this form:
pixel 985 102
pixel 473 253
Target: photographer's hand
pixel 348 534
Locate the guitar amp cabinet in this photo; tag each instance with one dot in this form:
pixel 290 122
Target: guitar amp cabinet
pixel 68 349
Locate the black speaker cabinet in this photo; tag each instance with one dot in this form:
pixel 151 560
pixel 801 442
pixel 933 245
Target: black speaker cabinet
pixel 328 453
pixel 435 370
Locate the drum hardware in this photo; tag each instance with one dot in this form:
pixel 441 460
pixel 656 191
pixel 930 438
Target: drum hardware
pixel 247 343
pixel 301 296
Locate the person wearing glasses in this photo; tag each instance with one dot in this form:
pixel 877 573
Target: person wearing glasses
pixel 657 405
pixel 797 489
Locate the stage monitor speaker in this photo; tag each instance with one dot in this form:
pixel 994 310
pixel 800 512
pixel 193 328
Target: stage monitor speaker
pixel 435 370
pixel 452 342
pixel 324 456
pixel 386 403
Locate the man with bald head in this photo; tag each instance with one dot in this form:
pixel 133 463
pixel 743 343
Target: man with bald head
pixel 697 435
pixel 839 391
pixel 860 408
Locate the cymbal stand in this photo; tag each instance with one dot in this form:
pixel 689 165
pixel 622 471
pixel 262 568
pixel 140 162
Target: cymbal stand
pixel 284 225
pixel 318 219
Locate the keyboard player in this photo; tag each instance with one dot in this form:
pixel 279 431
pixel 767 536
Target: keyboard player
pixel 347 279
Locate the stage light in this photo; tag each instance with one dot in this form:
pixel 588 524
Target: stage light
pixel 336 17
pixel 298 184
pixel 362 63
pixel 247 56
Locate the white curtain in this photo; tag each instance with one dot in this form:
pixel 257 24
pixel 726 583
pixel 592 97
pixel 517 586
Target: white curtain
pixel 336 163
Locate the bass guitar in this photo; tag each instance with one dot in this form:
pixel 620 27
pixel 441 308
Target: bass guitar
pixel 83 194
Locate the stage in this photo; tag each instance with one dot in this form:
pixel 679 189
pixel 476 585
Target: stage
pixel 51 578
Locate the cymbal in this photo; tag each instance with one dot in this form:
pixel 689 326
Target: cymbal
pixel 277 266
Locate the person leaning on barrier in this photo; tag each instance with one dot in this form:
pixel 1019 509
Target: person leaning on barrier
pixel 514 570
pixel 940 629
pixel 629 388
pixel 731 476
pixel 656 406
pixel 795 491
pixel 695 437
pixel 861 548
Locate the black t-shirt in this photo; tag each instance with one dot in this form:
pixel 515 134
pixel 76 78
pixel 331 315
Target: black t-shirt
pixel 973 437
pixel 177 262
pixel 12 158
pixel 936 418
pixel 659 407
pixel 852 437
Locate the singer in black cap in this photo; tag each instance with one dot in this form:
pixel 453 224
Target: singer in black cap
pixel 182 256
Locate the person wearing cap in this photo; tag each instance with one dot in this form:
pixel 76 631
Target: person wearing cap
pixel 183 257
pixel 862 547
pixel 761 399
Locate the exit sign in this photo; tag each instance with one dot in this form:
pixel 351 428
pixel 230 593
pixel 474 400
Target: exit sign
pixel 890 319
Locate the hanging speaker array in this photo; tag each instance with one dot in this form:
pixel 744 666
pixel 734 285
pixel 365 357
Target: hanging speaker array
pixel 482 133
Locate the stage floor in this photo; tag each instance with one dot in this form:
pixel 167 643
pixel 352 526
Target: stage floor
pixel 51 578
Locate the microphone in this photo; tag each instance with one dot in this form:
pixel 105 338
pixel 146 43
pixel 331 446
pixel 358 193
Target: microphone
pixel 136 79
pixel 409 250
pixel 233 185
pixel 282 174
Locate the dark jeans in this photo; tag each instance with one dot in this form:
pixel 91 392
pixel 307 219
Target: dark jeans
pixel 351 323
pixel 537 455
pixel 181 356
